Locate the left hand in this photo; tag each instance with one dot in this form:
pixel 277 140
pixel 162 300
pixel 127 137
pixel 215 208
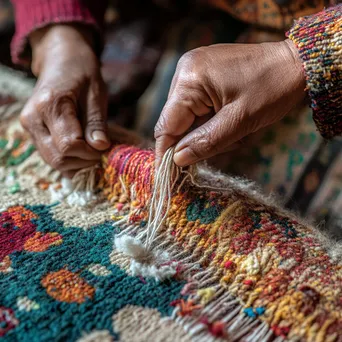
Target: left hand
pixel 66 115
pixel 231 91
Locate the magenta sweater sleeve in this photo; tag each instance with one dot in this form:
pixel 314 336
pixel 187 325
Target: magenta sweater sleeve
pixel 33 14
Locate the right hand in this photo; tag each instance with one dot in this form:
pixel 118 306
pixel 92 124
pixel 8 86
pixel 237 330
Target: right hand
pixel 66 115
pixel 230 91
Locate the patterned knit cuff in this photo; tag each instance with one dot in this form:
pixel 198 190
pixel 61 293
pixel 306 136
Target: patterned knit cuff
pixel 34 14
pixel 319 41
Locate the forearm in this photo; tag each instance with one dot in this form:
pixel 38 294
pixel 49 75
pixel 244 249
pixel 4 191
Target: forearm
pixel 319 41
pixel 36 14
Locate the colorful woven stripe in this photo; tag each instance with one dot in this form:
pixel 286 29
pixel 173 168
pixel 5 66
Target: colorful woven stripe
pixel 243 258
pixel 319 41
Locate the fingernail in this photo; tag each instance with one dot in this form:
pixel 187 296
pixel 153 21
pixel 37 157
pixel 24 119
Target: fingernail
pixel 99 136
pixel 184 157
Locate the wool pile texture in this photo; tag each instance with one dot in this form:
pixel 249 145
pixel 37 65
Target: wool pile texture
pixel 239 267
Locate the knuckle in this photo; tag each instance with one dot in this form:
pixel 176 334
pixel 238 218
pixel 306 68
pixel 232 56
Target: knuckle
pixel 29 115
pixel 95 119
pixel 188 99
pixel 192 57
pixel 63 103
pixel 65 97
pixel 191 64
pixel 186 60
pixel 50 102
pixel 57 162
pixel 43 98
pixel 25 119
pixel 65 145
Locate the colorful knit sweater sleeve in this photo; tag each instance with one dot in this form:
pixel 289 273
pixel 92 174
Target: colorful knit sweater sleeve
pixel 319 42
pixel 33 14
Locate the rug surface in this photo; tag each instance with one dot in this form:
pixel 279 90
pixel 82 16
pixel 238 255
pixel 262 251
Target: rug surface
pixel 239 268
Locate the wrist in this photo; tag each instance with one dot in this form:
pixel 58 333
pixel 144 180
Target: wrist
pixel 59 41
pixel 295 62
pixel 284 62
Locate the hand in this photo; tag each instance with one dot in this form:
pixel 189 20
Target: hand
pixel 66 115
pixel 229 91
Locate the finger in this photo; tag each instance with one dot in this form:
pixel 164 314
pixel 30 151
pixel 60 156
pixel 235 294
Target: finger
pixel 53 157
pixel 65 129
pixel 69 174
pixel 96 128
pixel 177 117
pixel 174 83
pixel 32 122
pixel 75 164
pixel 220 134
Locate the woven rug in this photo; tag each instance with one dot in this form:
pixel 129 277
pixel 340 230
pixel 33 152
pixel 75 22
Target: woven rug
pixel 228 264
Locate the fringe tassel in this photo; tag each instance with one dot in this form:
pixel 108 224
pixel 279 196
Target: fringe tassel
pixel 146 261
pixel 80 191
pixel 223 307
pixel 153 253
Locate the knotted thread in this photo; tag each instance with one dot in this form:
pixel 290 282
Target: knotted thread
pixel 145 260
pixel 130 177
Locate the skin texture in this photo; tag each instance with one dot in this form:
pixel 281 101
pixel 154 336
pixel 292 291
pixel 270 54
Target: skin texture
pixel 219 95
pixel 66 115
pixel 222 93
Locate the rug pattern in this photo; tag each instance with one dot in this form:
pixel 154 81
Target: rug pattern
pixel 60 278
pixel 245 270
pixel 235 244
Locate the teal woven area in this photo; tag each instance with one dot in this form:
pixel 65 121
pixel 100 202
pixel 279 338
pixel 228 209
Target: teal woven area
pixel 32 310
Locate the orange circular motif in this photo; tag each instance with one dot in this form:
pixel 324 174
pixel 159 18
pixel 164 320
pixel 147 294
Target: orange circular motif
pixel 66 286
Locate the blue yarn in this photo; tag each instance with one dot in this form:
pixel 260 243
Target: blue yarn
pixel 249 312
pixel 260 310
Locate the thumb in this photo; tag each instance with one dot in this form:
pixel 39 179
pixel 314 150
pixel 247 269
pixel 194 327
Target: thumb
pixel 96 127
pixel 222 133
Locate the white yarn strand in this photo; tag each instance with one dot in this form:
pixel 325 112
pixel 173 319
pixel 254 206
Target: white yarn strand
pixel 144 260
pixel 161 197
